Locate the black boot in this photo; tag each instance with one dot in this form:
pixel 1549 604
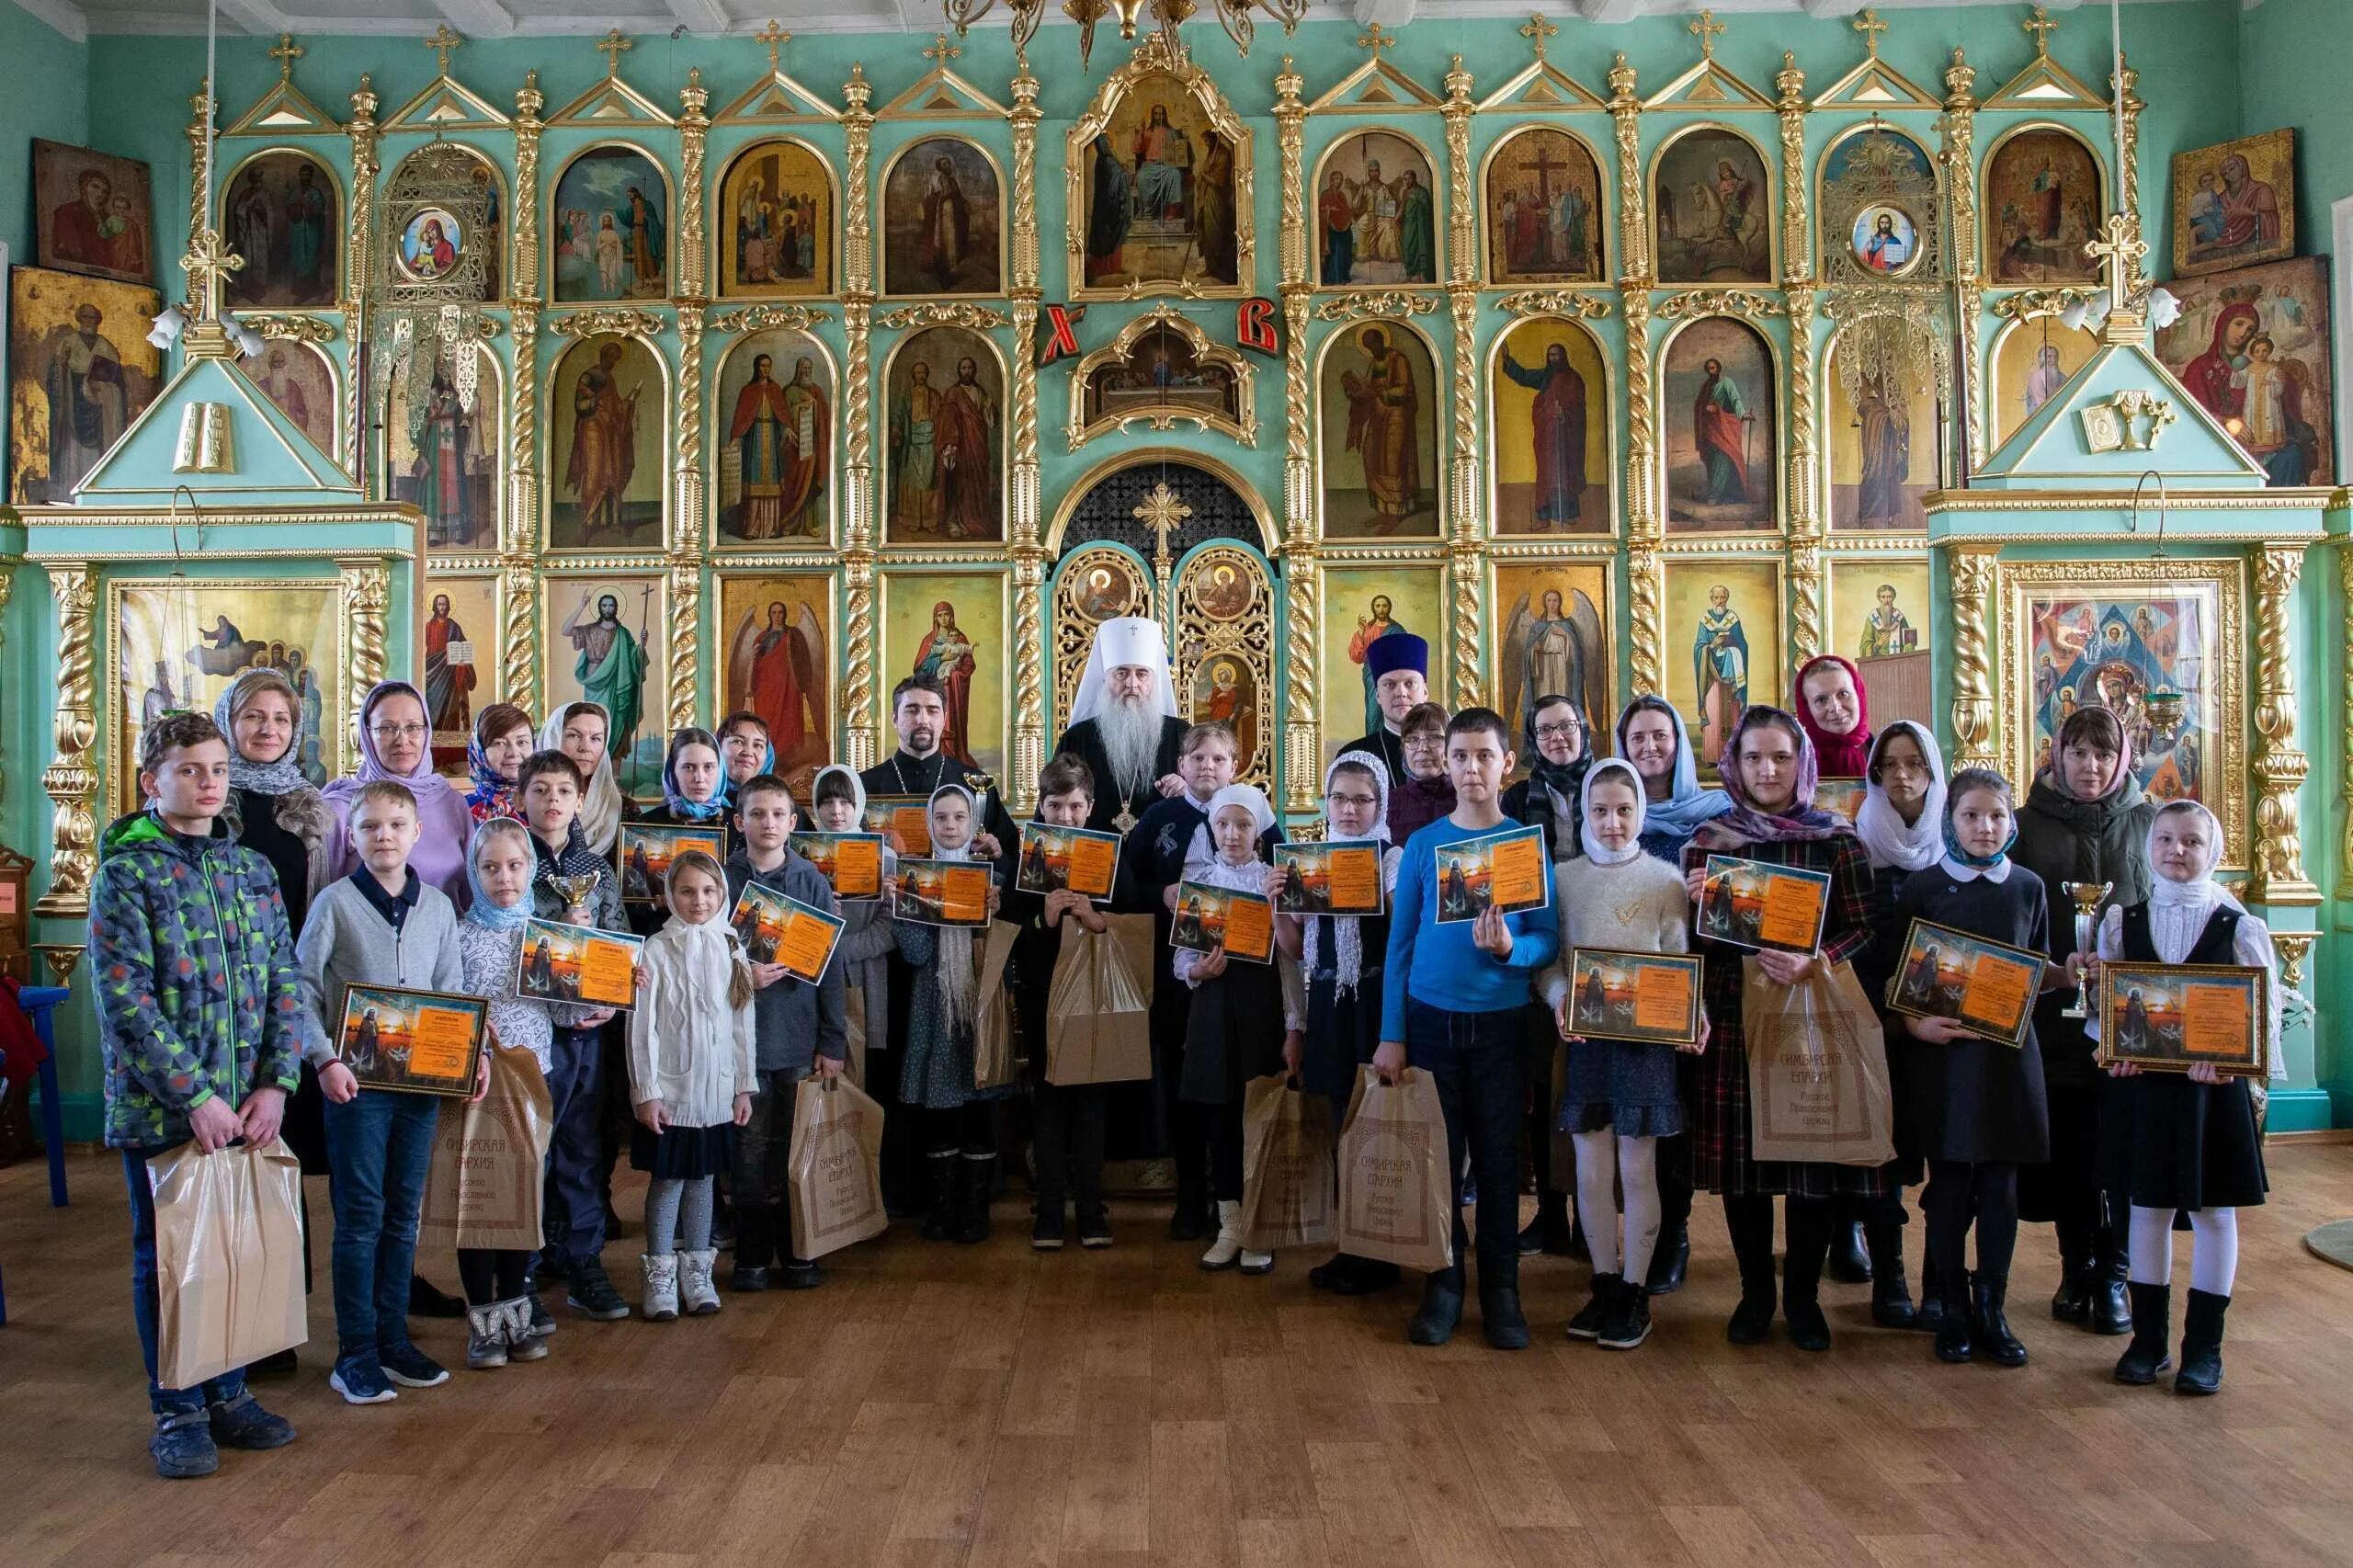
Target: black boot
pixel 2146 1357
pixel 2201 1343
pixel 1849 1264
pixel 1595 1315
pixel 973 1181
pixel 940 1220
pixel 1750 1221
pixel 1989 1324
pixel 1953 1342
pixel 1630 1318
pixel 1810 1232
pixel 2112 1304
pixel 1499 1315
pixel 1671 1262
pixel 2072 1303
pixel 1891 1294
pixel 755 1244
pixel 1441 1308
pixel 1186 1223
pixel 427 1300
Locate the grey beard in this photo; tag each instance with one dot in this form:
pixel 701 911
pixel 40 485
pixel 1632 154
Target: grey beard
pixel 1130 735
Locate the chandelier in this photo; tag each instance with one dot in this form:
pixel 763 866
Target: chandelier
pixel 1233 16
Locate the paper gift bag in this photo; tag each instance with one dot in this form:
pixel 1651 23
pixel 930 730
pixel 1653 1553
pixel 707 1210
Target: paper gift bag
pixel 1396 1195
pixel 1285 1166
pixel 1098 1015
pixel 997 1058
pixel 1817 1069
pixel 482 1187
pixel 854 1018
pixel 835 1167
pixel 228 1259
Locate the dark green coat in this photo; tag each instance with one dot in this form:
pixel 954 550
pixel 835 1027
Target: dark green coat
pixel 2062 840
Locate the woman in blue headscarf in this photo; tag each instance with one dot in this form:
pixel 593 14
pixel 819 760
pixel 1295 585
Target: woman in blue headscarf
pixel 1651 737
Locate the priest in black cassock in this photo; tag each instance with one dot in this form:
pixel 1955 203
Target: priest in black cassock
pixel 1125 724
pixel 1398 664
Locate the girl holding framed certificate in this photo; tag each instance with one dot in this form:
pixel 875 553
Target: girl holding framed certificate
pixel 2175 1140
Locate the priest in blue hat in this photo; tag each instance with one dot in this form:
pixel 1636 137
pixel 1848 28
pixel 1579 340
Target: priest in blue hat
pixel 1396 671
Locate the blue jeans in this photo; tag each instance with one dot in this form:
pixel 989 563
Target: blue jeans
pixel 379 1145
pixel 1474 1059
pixel 161 1400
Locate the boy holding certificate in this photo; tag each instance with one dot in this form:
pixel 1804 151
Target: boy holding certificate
pixel 380 925
pixel 797 1029
pixel 208 1058
pixel 1452 1001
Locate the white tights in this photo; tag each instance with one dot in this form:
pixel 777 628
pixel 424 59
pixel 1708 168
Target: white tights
pixel 1604 1160
pixel 2213 1248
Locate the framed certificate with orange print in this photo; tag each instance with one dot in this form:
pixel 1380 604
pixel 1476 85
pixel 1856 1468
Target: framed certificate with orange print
pixel 1984 986
pixel 1759 904
pixel 2169 1018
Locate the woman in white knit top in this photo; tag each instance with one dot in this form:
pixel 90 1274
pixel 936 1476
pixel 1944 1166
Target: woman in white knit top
pixel 1620 1097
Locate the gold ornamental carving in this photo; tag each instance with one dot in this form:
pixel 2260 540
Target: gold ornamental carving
pixel 523 266
pixel 2295 950
pixel 2029 304
pixel 1633 217
pixel 367 603
pixel 1242 426
pixel 1689 304
pixel 1463 493
pixel 1381 304
pixel 2276 875
pixel 285 328
pixel 1646 613
pixel 201 112
pixel 1803 484
pixel 1225 652
pixel 518 642
pixel 1158 53
pixel 1463 207
pixel 1466 568
pixel 685 648
pixel 360 242
pixel 523 460
pixel 687 473
pixel 1958 157
pixel 1642 518
pixel 1578 304
pixel 70 781
pixel 1029 675
pixel 1302 719
pixel 1972 576
pixel 1790 82
pixel 932 312
pixel 765 318
pixel 694 135
pixel 858 684
pixel 1093 582
pixel 645 324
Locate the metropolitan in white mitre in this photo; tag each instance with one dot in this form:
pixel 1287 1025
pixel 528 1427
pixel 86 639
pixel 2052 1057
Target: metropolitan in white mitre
pixel 1125 724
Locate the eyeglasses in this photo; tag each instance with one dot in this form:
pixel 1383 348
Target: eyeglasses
pixel 1425 743
pixel 1569 730
pixel 1354 800
pixel 397 732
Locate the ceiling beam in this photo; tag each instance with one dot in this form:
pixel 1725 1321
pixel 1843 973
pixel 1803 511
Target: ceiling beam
pixel 1390 14
pixel 1610 11
pixel 700 16
pixel 478 19
pixel 64 16
pixel 257 16
pixel 1821 8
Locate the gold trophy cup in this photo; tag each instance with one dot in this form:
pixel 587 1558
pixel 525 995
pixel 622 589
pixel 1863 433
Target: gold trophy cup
pixel 578 889
pixel 2088 897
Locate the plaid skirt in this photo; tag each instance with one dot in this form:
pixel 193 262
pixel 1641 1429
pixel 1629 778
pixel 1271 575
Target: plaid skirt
pixel 1715 1108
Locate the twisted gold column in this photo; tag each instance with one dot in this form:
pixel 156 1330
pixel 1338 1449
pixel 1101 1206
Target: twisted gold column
pixel 1958 159
pixel 1970 569
pixel 860 671
pixel 70 781
pixel 360 247
pixel 1029 738
pixel 2277 876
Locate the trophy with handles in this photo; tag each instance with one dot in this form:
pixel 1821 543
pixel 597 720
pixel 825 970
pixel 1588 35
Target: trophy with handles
pixel 578 890
pixel 2088 897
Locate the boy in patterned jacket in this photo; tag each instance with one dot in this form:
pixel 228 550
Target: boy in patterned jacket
pixel 199 1017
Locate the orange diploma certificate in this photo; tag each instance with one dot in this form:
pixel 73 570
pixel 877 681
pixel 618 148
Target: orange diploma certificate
pixel 2215 1020
pixel 1250 928
pixel 806 944
pixel 1662 999
pixel 857 868
pixel 1518 872
pixel 1353 873
pixel 905 818
pixel 1092 862
pixel 964 895
pixel 439 1043
pixel 1997 992
pixel 608 974
pixel 1791 917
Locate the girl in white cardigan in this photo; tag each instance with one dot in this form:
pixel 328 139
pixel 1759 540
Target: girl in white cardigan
pixel 692 1070
pixel 1621 1097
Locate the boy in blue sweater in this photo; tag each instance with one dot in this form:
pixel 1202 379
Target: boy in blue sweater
pixel 1450 1004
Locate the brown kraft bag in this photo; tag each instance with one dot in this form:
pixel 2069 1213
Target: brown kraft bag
pixel 1285 1166
pixel 835 1167
pixel 482 1187
pixel 1817 1069
pixel 1098 1015
pixel 1396 1195
pixel 228 1259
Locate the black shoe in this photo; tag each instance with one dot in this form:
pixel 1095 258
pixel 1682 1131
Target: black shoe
pixel 1989 1325
pixel 972 1198
pixel 1595 1315
pixel 1367 1276
pixel 1954 1342
pixel 748 1277
pixel 591 1293
pixel 269 1366
pixel 1751 1321
pixel 1849 1264
pixel 1891 1292
pixel 1094 1226
pixel 1442 1309
pixel 1932 1310
pixel 1331 1272
pixel 2201 1343
pixel 2112 1303
pixel 1671 1263
pixel 939 1220
pixel 2146 1357
pixel 1499 1315
pixel 183 1446
pixel 1046 1233
pixel 542 1321
pixel 427 1300
pixel 1809 1329
pixel 548 1268
pixel 241 1423
pixel 799 1274
pixel 2072 1303
pixel 1193 1218
pixel 1630 1319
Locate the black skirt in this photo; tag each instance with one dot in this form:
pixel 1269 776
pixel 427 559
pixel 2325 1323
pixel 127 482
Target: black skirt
pixel 682 1153
pixel 1342 1033
pixel 2167 1143
pixel 1628 1088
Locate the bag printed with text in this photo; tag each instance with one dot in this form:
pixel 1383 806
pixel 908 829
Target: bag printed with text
pixel 1817 1071
pixel 1396 1195
pixel 1285 1166
pixel 836 1171
pixel 482 1187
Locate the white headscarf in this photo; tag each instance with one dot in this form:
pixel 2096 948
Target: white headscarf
pixel 958 985
pixel 1890 841
pixel 1595 851
pixel 857 790
pixel 1250 798
pixel 600 803
pixel 2200 895
pixel 1348 934
pixel 1127 640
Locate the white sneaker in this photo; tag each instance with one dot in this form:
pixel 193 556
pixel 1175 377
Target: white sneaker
pixel 1257 1262
pixel 1226 1251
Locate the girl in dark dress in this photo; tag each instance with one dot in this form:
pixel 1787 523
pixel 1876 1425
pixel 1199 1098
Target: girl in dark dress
pixel 1342 958
pixel 2173 1140
pixel 1556 739
pixel 1973 1109
pixel 1241 1015
pixel 1770 776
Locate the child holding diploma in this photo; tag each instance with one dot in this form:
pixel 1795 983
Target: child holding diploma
pixel 1451 1005
pixel 1242 1011
pixel 935 1079
pixel 2176 1140
pixel 868 937
pixel 1620 1097
pixel 1973 1109
pixel 1341 958
pixel 797 1029
pixel 692 1072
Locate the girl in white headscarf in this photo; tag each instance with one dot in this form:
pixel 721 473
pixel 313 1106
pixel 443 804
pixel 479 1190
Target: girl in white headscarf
pixel 1242 1011
pixel 1621 1096
pixel 837 803
pixel 581 730
pixel 2177 1141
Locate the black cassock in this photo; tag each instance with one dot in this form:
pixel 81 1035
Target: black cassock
pixel 1383 744
pixel 1083 742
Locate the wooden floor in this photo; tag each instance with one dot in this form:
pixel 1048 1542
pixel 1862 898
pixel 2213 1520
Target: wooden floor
pixel 937 1406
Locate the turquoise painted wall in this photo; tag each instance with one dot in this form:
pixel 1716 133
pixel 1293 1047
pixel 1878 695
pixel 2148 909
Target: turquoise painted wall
pixel 48 97
pixel 2290 72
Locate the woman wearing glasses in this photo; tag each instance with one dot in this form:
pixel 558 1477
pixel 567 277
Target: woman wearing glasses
pixel 397 743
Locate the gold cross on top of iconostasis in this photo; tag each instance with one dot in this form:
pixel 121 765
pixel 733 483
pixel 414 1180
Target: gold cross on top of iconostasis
pixel 2119 254
pixel 941 52
pixel 2041 24
pixel 1870 27
pixel 1373 39
pixel 1539 28
pixel 286 52
pixel 612 46
pixel 441 43
pixel 1706 27
pixel 776 37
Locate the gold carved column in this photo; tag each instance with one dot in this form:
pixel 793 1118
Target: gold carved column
pixel 1646 568
pixel 687 494
pixel 1467 548
pixel 360 247
pixel 367 603
pixel 857 320
pixel 1302 581
pixel 1804 471
pixel 2280 766
pixel 1971 574
pixel 2129 151
pixel 70 781
pixel 199 122
pixel 1030 739
pixel 518 647
pixel 1958 158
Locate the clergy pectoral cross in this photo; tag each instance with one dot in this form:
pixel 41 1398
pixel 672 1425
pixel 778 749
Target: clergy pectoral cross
pixel 612 46
pixel 1126 821
pixel 1706 27
pixel 442 42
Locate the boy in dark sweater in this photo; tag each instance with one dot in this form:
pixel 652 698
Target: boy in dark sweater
pixel 797 1029
pixel 208 1058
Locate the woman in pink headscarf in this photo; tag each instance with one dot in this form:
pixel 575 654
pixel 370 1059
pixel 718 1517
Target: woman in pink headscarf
pixel 396 742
